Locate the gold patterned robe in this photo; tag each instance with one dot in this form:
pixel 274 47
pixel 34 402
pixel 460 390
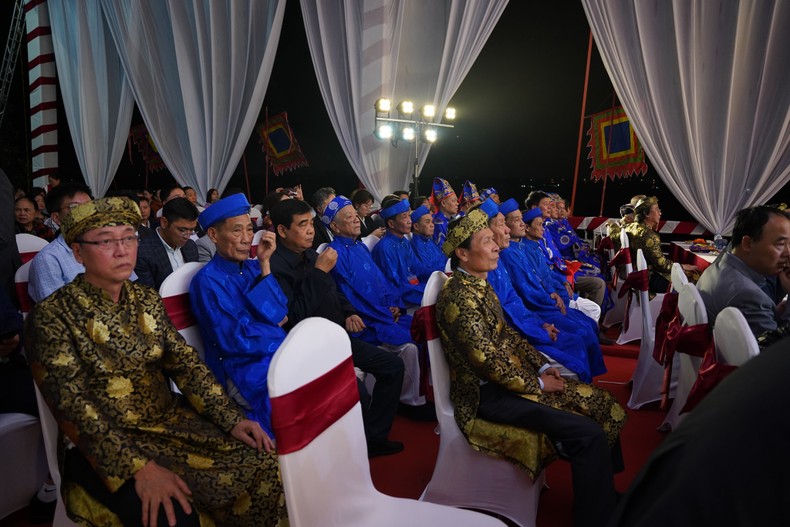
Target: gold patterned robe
pixel 479 344
pixel 101 367
pixel 640 236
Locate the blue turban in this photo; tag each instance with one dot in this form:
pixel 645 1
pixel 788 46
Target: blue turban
pixel 528 216
pixel 490 208
pixel 487 192
pixel 229 207
pixel 508 207
pixel 394 210
pixel 332 209
pixel 421 211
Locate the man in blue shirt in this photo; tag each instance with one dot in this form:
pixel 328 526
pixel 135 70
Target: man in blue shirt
pixel 425 249
pixel 445 202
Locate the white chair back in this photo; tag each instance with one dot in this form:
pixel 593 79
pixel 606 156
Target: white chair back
pixel 21 279
pixel 29 245
pixel 370 241
pixel 256 239
pixel 625 244
pixel 691 306
pixel 463 476
pixel 175 295
pixel 679 278
pixel 326 474
pixel 735 342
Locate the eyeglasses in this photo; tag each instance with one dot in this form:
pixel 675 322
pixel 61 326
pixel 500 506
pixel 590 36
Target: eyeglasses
pixel 70 206
pixel 109 244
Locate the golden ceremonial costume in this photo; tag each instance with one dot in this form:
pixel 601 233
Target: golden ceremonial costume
pixel 480 345
pixel 102 368
pixel 640 236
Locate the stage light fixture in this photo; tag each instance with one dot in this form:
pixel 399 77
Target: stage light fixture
pixel 385 131
pixel 383 105
pixel 406 108
pixel 428 111
pixel 449 114
pixel 430 135
pixel 407 133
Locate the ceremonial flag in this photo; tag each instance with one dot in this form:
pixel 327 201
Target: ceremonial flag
pixel 614 148
pixel 279 144
pixel 145 145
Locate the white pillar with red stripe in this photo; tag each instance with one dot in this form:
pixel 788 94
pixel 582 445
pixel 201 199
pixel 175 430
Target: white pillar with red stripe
pixel 42 82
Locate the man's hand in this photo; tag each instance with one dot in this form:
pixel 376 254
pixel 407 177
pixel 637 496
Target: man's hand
pixel 250 433
pixel 283 321
pixel 395 313
pixel 354 324
pixel 156 485
pixel 552 381
pixel 558 300
pixel 569 289
pixel 266 246
pixel 551 330
pixel 326 260
pixel 690 267
pixel 379 233
pixel 8 346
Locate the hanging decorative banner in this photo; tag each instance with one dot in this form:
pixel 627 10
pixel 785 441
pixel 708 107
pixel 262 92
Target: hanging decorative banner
pixel 279 144
pixel 614 148
pixel 145 145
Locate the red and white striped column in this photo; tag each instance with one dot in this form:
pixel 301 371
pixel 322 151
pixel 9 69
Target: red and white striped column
pixel 42 80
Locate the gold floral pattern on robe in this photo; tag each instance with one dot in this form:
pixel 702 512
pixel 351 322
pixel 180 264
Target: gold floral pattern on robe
pixel 640 236
pixel 103 368
pixel 479 344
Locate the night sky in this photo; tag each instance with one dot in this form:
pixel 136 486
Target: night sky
pixel 517 127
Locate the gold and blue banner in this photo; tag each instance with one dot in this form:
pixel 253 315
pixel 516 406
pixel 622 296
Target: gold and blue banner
pixel 614 148
pixel 279 144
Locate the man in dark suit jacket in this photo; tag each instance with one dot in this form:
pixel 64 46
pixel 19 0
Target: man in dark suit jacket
pixel 171 247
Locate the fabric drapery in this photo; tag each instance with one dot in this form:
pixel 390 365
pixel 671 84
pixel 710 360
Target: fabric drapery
pixel 96 95
pixel 366 49
pixel 704 83
pixel 199 71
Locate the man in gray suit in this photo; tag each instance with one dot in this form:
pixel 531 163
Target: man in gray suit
pixel 161 254
pixel 755 274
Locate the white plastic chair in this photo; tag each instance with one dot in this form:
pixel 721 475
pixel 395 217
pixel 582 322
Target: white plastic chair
pixel 21 279
pixel 648 375
pixel 735 342
pixel 23 463
pixel 29 245
pixel 370 241
pixel 462 476
pixel 256 239
pixel 632 321
pixel 175 295
pixel 679 278
pixel 49 430
pixel 326 474
pixel 692 312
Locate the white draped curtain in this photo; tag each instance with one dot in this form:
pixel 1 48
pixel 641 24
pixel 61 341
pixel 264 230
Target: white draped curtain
pixel 96 96
pixel 199 71
pixel 706 84
pixel 366 49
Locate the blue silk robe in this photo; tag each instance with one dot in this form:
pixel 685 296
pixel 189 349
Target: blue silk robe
pixel 400 266
pixel 534 281
pixel 238 313
pixel 440 223
pixel 569 349
pixel 430 255
pixel 571 247
pixel 365 286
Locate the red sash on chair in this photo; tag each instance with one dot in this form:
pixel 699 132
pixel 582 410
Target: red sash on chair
pixel 692 340
pixel 669 312
pixel 179 311
pixel 622 257
pixel 423 325
pixel 711 373
pixel 638 281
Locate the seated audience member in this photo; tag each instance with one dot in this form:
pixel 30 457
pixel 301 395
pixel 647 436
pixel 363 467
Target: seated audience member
pixel 497 376
pixel 395 257
pixel 26 221
pixel 170 247
pixel 239 305
pixel 54 266
pixel 741 276
pixel 102 349
pixel 320 200
pixel 445 202
pixel 362 200
pixel 570 245
pixel 587 281
pixel 469 197
pixel 542 291
pixel 39 195
pixel 191 195
pixel 491 193
pixel 401 194
pixel 145 229
pixel 383 314
pixel 425 249
pixel 693 479
pixel 304 278
pixel 206 247
pixel 564 347
pixel 271 199
pixel 212 196
pixel 642 235
pixel 169 191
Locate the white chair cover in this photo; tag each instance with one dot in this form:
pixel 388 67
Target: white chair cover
pixel 370 241
pixel 735 342
pixel 462 476
pixel 21 280
pixel 49 430
pixel 692 312
pixel 175 295
pixel 325 471
pixel 29 245
pixel 648 374
pixel 632 321
pixel 679 278
pixel 23 463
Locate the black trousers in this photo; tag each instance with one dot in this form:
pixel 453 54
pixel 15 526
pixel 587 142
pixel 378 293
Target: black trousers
pixel 379 407
pixel 124 502
pixel 579 438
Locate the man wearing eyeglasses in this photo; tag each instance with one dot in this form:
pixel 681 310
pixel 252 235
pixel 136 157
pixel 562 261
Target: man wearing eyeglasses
pixel 160 255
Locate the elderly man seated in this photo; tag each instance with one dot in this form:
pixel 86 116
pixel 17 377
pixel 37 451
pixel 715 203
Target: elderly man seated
pixel 425 249
pixel 497 376
pixel 755 274
pixel 102 350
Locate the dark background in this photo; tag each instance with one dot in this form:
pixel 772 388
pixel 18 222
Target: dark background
pixel 517 127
